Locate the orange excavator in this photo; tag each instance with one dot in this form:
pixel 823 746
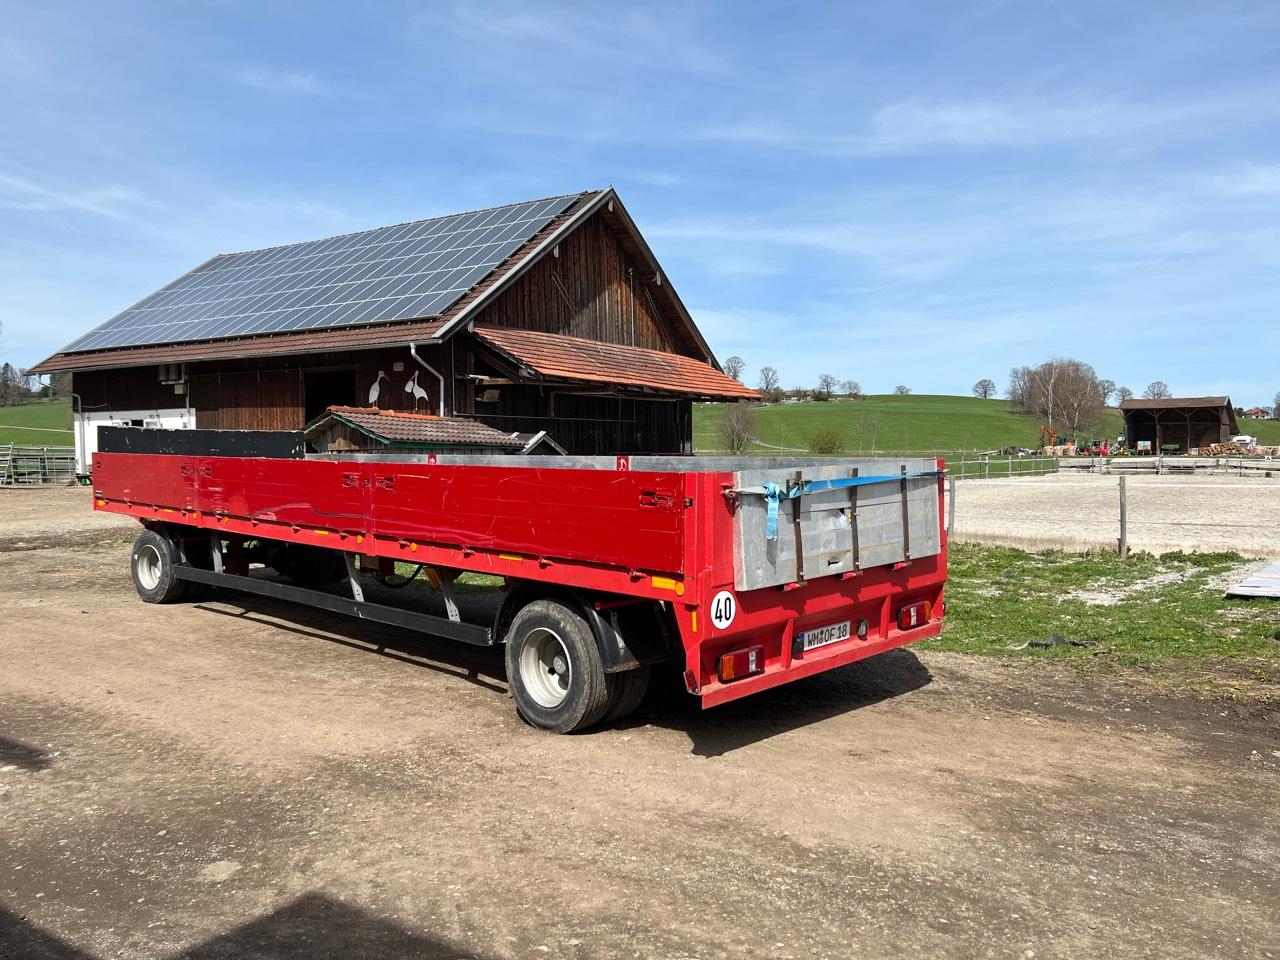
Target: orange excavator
pixel 1050 433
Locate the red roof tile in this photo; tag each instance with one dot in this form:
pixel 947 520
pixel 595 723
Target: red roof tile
pixel 557 357
pixel 418 428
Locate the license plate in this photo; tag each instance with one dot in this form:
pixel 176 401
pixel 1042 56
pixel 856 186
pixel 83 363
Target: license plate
pixel 821 636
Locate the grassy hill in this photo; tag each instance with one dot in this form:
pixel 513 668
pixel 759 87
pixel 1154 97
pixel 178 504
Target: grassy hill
pixel 40 424
pixel 914 424
pixel 1267 431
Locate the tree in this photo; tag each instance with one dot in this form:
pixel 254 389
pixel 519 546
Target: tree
pixel 1079 397
pixel 985 388
pixel 852 389
pixel 826 386
pixel 1108 390
pixel 1019 392
pixel 733 368
pixel 1063 392
pixel 738 427
pixel 1157 390
pixel 902 390
pixel 769 384
pixel 1123 394
pixel 1275 407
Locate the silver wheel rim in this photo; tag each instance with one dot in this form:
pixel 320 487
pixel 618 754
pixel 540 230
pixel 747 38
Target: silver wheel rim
pixel 148 565
pixel 545 668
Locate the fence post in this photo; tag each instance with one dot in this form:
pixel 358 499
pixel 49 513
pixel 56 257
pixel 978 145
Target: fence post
pixel 951 504
pixel 986 468
pixel 1123 545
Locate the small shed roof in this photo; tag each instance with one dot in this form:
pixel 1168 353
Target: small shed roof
pixel 553 356
pixel 415 429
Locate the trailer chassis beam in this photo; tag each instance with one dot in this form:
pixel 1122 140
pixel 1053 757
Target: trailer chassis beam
pixel 469 633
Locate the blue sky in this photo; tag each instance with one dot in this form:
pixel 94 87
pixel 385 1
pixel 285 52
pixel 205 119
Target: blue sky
pixel 922 193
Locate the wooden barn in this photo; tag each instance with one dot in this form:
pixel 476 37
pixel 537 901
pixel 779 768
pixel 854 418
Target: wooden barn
pixel 1177 424
pixel 549 315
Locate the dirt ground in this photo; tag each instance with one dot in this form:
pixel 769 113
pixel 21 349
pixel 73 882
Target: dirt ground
pixel 1077 511
pixel 240 778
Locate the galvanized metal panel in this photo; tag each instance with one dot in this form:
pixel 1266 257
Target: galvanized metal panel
pixel 827 521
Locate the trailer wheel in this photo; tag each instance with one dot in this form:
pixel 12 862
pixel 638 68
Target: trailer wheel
pixel 626 690
pixel 153 561
pixel 554 668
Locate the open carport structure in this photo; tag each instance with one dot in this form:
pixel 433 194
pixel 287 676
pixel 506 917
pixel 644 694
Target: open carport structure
pixel 1180 423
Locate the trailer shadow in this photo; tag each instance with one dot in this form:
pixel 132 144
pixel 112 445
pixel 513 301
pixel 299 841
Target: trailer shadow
pixel 793 706
pixel 475 665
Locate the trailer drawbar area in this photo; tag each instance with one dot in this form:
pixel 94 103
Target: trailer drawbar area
pixel 749 573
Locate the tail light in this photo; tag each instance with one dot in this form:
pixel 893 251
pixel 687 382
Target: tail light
pixel 914 615
pixel 741 663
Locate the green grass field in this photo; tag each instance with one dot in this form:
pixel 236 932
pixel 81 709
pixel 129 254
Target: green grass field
pixel 1134 612
pixel 1267 431
pixel 921 424
pixel 40 424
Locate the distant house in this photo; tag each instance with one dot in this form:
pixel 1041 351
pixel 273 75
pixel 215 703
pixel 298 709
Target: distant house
pixel 1177 424
pixel 550 316
pixel 1258 413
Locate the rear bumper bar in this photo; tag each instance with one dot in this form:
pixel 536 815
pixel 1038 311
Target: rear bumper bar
pixel 849 651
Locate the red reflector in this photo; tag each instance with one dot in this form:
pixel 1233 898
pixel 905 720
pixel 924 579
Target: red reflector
pixel 914 615
pixel 741 663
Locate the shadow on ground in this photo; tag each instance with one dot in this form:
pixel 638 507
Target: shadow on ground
pixel 713 733
pixel 792 706
pixel 23 755
pixel 312 927
pixel 480 666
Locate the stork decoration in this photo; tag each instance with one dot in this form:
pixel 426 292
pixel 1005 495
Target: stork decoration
pixel 376 389
pixel 418 392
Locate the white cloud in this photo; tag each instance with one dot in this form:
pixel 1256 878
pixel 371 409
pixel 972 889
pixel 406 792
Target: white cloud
pixel 1252 180
pixel 280 81
pixel 20 193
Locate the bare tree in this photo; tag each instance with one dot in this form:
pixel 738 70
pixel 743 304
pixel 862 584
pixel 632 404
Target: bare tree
pixel 733 367
pixel 1079 397
pixel 1123 394
pixel 1019 392
pixel 902 390
pixel 827 384
pixel 1063 392
pixel 738 427
pixel 853 389
pixel 1157 390
pixel 769 384
pixel 1108 388
pixel 985 388
pixel 1275 407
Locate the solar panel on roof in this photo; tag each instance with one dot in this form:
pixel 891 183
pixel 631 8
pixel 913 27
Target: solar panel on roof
pixel 406 271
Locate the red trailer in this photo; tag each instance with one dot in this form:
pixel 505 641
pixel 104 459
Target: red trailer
pixel 748 573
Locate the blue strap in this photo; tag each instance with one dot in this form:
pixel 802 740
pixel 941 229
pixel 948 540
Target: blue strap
pixel 774 494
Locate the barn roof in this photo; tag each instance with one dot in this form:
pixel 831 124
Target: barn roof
pixel 1174 403
pixel 411 282
pixel 553 356
pixel 414 429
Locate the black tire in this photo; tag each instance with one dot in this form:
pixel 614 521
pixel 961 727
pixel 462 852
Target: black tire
pixel 311 566
pixel 553 666
pixel 152 564
pixel 626 690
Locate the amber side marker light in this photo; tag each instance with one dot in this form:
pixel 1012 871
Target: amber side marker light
pixel 914 615
pixel 740 663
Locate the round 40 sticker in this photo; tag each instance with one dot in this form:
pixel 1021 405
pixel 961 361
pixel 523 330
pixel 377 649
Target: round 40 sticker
pixel 723 609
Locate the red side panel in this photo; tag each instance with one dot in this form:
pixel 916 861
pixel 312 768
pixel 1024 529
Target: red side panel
pixel 631 520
